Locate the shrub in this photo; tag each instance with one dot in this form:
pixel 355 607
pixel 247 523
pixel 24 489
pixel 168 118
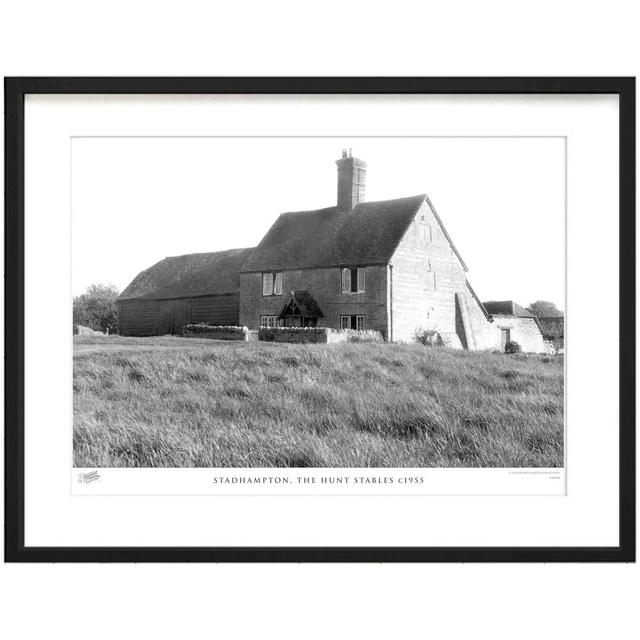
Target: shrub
pixel 429 337
pixel 512 347
pixel 97 309
pixel 203 330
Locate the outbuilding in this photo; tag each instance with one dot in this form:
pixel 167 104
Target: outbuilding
pixel 180 290
pixel 516 324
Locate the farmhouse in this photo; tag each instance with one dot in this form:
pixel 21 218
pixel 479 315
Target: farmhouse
pixel 390 266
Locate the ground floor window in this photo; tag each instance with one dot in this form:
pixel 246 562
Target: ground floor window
pixel 352 322
pixel 268 321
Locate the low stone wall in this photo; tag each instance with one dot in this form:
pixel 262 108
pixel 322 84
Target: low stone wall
pixel 215 333
pixel 300 335
pixel 79 330
pixel 316 335
pixel 353 335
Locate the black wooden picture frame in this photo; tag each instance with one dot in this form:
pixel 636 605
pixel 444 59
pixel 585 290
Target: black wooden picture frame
pixel 15 91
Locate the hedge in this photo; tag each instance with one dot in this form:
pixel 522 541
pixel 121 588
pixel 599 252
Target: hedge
pixel 215 333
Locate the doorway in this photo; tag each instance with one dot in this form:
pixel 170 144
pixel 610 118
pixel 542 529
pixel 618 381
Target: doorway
pixel 181 315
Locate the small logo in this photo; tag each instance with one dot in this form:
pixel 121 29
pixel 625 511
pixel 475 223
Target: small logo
pixel 88 477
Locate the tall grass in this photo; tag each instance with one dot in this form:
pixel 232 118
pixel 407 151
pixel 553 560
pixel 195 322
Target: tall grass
pixel 346 405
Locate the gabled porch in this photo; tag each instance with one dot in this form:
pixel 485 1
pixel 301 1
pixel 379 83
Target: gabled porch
pixel 301 311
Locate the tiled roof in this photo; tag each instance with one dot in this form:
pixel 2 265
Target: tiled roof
pixel 195 274
pixel 507 308
pixel 325 237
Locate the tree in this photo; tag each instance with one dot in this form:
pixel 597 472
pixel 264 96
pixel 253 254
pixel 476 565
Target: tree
pixel 96 308
pixel 544 309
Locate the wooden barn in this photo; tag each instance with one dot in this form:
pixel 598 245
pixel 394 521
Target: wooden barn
pixel 199 287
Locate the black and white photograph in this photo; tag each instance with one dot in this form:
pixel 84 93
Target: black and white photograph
pixel 327 320
pixel 287 302
pixel 320 320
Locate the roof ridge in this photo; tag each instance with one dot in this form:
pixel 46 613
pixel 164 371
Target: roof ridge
pixel 414 197
pixel 208 253
pixel 364 203
pixel 326 237
pixel 293 213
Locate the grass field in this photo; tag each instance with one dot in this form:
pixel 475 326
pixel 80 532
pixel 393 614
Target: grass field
pixel 176 402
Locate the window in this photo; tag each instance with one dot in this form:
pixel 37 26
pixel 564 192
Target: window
pixel 268 321
pixel 352 322
pixel 277 285
pixel 346 280
pixel 353 280
pixel 267 284
pixel 272 284
pixel 430 284
pixel 426 233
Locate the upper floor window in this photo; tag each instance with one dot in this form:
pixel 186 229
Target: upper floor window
pixel 353 280
pixel 272 284
pixel 426 233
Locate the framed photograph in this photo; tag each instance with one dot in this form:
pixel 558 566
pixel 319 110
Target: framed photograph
pixel 320 319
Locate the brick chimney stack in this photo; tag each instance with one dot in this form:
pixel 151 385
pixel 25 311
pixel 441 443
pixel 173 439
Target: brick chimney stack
pixel 352 173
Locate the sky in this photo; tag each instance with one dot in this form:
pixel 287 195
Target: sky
pixel 136 201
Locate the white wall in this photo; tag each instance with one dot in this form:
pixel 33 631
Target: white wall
pixel 524 331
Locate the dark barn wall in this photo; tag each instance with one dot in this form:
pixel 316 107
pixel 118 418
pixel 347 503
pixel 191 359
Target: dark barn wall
pixel 137 317
pixel 162 317
pixel 216 310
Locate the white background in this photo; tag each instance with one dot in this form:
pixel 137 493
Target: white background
pixel 475 601
pixel 586 516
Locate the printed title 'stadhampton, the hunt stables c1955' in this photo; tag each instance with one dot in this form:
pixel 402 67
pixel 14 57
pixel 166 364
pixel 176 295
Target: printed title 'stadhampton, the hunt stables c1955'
pixel 389 266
